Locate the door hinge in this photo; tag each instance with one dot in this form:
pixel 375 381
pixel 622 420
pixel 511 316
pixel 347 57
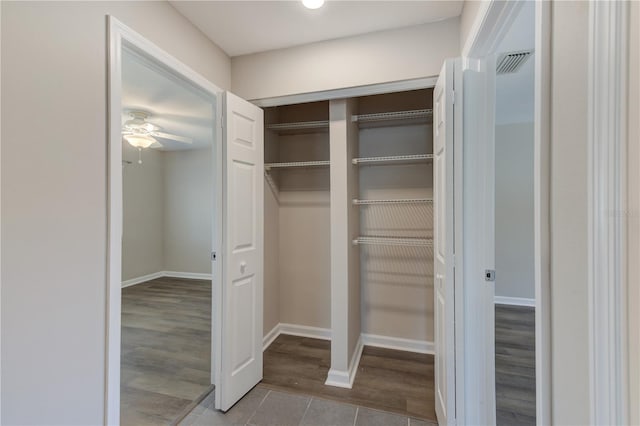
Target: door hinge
pixel 214 255
pixel 489 274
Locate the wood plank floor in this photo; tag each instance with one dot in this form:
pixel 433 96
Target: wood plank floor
pixel 166 349
pixel 389 380
pixel 515 365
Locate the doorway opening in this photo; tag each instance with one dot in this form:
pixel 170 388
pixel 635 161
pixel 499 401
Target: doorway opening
pixel 168 199
pixel 515 348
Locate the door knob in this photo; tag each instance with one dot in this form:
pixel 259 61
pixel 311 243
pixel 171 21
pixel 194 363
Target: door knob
pixel 243 267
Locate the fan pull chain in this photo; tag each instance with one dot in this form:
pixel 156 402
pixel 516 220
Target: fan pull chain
pixel 139 155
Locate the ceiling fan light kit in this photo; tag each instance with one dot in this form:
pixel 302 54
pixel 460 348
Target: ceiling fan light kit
pixel 140 141
pixel 139 133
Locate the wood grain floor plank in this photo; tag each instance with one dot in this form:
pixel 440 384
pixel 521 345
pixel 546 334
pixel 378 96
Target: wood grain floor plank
pixel 166 349
pixel 515 365
pixel 389 380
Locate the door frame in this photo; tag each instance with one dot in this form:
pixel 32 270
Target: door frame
pixel 489 28
pixel 121 37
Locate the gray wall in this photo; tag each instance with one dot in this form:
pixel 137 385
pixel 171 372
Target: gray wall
pixel 168 212
pixel 514 211
pixel 188 207
pixel 143 195
pixel 569 293
pixel 54 223
pixel 634 211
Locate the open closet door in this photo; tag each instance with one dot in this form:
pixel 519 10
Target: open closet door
pixel 242 286
pixel 443 244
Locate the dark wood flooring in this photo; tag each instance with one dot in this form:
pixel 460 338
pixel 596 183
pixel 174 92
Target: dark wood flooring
pixel 515 365
pixel 166 349
pixel 389 380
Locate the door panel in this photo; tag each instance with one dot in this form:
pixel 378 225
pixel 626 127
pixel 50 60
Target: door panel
pixel 242 292
pixel 443 246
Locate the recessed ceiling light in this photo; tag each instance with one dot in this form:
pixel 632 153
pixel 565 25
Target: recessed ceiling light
pixel 313 4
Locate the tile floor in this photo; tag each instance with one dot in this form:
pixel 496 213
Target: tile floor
pixel 263 406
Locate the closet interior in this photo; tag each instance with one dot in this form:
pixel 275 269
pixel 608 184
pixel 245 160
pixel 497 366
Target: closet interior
pixel 349 227
pixel 395 171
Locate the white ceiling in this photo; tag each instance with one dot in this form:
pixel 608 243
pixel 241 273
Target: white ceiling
pixel 515 92
pixel 242 27
pixel 175 106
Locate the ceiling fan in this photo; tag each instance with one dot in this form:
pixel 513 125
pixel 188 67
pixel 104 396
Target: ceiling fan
pixel 140 133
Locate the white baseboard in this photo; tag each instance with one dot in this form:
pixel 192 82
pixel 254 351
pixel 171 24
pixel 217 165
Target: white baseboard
pixel 170 274
pixel 409 345
pixel 305 331
pixel 516 301
pixel 142 279
pixel 268 339
pixel 295 330
pixel 187 275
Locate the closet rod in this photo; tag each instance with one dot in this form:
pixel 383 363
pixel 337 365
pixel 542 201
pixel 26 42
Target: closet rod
pixel 388 241
pixel 299 125
pixel 396 115
pixel 357 202
pixel 269 166
pixel 393 159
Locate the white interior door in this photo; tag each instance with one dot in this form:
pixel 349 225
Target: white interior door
pixel 242 286
pixel 443 125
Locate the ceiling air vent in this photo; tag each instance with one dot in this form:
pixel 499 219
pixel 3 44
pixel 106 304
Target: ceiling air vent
pixel 511 62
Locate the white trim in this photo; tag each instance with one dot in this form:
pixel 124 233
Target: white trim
pixel 187 275
pixel 120 35
pixel 514 301
pixel 305 331
pixel 490 26
pixel 168 274
pixel 399 344
pixel 542 220
pixel 345 379
pixel 142 279
pixel 607 103
pixel 348 92
pixel 269 338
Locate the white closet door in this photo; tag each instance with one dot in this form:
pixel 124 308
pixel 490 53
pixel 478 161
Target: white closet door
pixel 443 97
pixel 242 292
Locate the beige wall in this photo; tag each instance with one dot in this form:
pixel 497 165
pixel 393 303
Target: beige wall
pixel 514 210
pixel 569 293
pixel 188 207
pixel 305 265
pixel 143 198
pixel 407 53
pixel 634 213
pixel 54 197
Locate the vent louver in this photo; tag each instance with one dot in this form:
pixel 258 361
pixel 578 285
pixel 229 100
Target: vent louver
pixel 509 63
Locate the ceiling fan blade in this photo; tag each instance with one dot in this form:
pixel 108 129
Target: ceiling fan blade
pixel 169 136
pixel 156 145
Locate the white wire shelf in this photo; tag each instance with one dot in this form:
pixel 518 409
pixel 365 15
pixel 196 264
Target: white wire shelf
pixel 393 159
pixel 418 114
pixel 301 125
pixel 357 202
pixel 388 241
pixel 269 166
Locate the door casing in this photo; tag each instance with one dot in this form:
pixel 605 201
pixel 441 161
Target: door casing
pixel 122 37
